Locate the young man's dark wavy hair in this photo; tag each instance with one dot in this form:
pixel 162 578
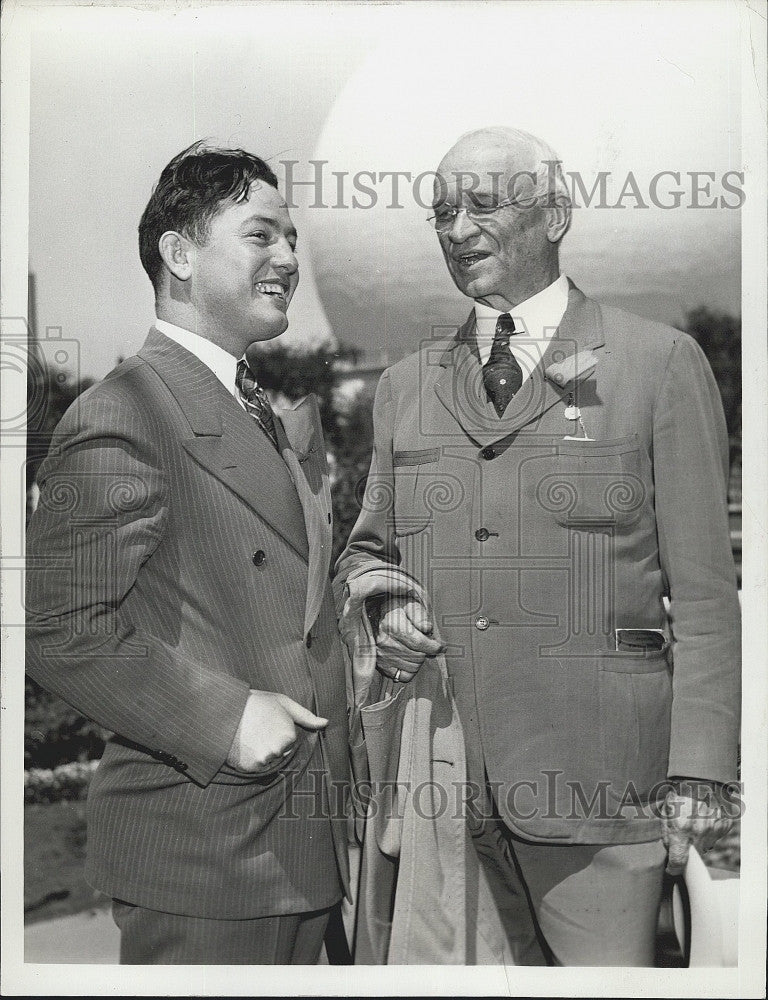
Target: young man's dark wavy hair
pixel 188 195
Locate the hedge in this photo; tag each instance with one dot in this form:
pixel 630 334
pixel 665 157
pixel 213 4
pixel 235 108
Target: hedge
pixel 69 781
pixel 55 733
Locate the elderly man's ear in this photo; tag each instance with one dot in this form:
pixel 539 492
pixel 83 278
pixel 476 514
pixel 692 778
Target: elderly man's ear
pixel 558 219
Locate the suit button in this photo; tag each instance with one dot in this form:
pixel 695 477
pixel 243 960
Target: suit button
pixel 482 534
pixel 308 640
pixel 487 454
pixel 259 557
pixel 482 622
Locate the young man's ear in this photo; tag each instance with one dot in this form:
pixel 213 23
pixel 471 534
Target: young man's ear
pixel 177 253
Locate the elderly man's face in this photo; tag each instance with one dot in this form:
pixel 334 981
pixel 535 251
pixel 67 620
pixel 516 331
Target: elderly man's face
pixel 504 257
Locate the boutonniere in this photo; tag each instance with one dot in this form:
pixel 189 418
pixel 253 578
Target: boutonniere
pixel 570 372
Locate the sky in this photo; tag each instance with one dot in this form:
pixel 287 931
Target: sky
pixel 624 87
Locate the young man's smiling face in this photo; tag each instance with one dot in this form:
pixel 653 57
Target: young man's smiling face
pixel 245 273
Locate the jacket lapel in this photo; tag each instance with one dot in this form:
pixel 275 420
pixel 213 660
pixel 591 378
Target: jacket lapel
pixel 460 385
pixel 300 436
pixel 226 442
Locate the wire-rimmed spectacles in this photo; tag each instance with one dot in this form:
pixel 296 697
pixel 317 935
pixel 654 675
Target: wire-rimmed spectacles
pixel 443 218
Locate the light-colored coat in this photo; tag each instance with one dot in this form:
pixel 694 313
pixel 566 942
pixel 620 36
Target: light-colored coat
pixel 422 898
pixel 534 548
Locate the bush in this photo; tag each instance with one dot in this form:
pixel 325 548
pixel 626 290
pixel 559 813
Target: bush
pixel 351 459
pixel 69 781
pixel 347 421
pixel 719 336
pixel 54 733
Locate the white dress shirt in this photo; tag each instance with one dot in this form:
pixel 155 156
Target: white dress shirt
pixel 536 321
pixel 221 362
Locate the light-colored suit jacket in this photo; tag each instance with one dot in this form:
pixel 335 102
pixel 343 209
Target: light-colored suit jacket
pixel 535 548
pixel 176 561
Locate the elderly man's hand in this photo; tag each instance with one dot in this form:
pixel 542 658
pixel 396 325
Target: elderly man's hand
pixel 697 813
pixel 404 638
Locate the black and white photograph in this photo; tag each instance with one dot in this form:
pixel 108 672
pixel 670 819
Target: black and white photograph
pixel 384 498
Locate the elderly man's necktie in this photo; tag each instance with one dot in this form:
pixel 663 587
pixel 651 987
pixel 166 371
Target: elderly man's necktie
pixel 502 375
pixel 255 400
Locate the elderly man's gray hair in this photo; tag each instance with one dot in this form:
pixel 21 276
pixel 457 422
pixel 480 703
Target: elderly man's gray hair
pixel 545 164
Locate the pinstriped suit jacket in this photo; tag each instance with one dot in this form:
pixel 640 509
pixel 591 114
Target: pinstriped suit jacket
pixel 149 614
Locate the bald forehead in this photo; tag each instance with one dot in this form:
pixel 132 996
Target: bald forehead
pixel 492 150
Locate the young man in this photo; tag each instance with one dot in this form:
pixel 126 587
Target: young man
pixel 178 595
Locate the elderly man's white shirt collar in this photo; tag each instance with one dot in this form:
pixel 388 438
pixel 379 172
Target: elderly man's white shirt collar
pixel 221 362
pixel 536 320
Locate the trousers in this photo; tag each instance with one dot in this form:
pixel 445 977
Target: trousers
pixel 151 937
pixel 591 904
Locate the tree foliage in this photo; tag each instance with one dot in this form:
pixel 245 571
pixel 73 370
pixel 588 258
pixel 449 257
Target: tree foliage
pixel 347 423
pixel 719 336
pixel 50 395
pixel 54 732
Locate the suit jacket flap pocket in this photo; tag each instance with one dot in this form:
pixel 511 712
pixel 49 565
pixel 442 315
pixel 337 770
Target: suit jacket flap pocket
pixel 421 456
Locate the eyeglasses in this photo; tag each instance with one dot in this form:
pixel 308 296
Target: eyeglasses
pixel 443 218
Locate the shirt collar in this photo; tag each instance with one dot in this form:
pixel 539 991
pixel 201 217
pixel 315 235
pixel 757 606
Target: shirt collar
pixel 536 318
pixel 221 362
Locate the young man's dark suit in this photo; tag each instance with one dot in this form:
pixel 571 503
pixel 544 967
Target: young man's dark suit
pixel 175 561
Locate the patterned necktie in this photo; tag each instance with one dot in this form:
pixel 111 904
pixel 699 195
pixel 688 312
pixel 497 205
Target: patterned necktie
pixel 255 399
pixel 502 375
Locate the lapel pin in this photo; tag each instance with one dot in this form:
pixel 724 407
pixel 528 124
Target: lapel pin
pixel 571 412
pixel 572 371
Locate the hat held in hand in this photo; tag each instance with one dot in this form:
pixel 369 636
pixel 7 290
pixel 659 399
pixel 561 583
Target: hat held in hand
pixel 705 910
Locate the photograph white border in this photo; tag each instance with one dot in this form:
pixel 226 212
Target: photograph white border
pixel 19 19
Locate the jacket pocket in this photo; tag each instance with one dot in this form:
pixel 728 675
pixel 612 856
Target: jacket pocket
pixel 635 692
pixel 649 661
pixel 594 482
pixel 293 765
pixel 422 490
pixel 420 456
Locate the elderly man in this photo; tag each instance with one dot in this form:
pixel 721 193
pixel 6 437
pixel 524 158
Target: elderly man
pixel 178 595
pixel 550 475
